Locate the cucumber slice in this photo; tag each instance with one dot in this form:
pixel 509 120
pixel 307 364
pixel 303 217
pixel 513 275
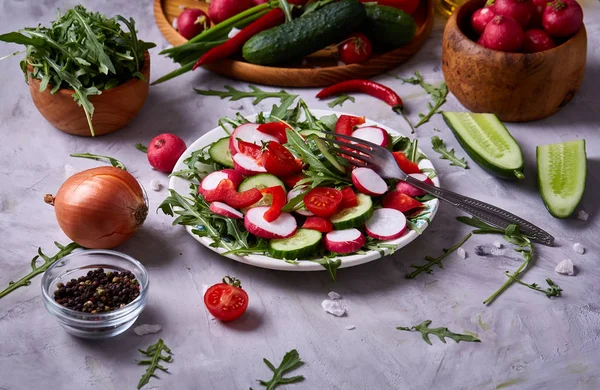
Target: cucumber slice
pixel 260 181
pixel 488 142
pixel 308 132
pixel 354 217
pixel 561 176
pixel 219 151
pixel 304 243
pixel 321 150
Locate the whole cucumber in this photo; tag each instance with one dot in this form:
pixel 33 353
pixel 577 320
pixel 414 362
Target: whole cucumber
pixel 388 26
pixel 300 37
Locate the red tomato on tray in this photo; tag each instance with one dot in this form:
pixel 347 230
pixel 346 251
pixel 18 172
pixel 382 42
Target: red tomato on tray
pixel 354 49
pixel 226 301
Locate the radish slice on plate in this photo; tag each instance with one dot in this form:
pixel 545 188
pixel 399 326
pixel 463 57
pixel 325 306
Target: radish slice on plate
pixel 212 180
pixel 248 132
pixel 344 241
pixel 246 165
pixel 292 194
pixel 386 224
pixel 410 190
pixel 368 182
pixel 282 227
pixel 225 210
pixel 373 134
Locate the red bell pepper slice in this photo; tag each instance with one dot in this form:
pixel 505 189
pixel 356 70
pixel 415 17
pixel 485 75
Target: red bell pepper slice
pixel 400 202
pixel 279 161
pixel 348 198
pixel 279 200
pixel 346 123
pixel 319 224
pixel 249 149
pixel 405 164
pixel 226 193
pixel 275 129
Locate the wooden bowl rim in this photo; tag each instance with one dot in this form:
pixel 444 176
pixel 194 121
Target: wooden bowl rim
pixel 66 91
pixel 452 25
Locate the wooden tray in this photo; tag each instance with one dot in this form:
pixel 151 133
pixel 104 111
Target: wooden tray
pixel 317 70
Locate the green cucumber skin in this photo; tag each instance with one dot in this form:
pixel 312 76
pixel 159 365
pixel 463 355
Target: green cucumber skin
pixel 302 252
pixel 555 211
pixel 216 154
pixel 311 141
pixel 488 166
pixel 247 183
pixel 300 37
pixel 388 26
pixel 356 222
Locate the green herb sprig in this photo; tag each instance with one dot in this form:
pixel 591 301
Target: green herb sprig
pixel 438 96
pixel 441 333
pixel 340 100
pixel 438 146
pixel 142 148
pixel 113 161
pixel 155 354
pixel 433 261
pixel 290 362
pixel 255 93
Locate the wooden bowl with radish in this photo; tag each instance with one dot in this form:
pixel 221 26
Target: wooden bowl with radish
pixel 515 86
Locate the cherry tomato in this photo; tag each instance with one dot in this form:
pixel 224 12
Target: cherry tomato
pixel 405 164
pixel 291 181
pixel 279 161
pixel 249 149
pixel 226 301
pixel 354 49
pixel 276 129
pixel 323 201
pixel 408 6
pixel 348 198
pixel 400 201
pixel 319 224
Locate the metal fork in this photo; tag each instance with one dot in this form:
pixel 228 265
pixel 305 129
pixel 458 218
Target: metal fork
pixel 370 155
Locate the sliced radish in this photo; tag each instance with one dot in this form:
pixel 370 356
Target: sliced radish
pixel 374 134
pixel 282 227
pixel 344 241
pixel 247 165
pixel 368 182
pixel 225 210
pixel 248 132
pixel 386 224
pixel 292 194
pixel 410 190
pixel 212 180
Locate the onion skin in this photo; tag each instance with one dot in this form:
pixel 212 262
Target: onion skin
pixel 100 208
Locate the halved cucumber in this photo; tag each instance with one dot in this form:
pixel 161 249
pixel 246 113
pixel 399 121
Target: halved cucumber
pixel 219 151
pixel 308 132
pixel 561 176
pixel 321 150
pixel 354 217
pixel 488 142
pixel 304 243
pixel 260 181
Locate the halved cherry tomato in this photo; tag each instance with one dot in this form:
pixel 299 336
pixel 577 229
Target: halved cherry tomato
pixel 279 161
pixel 405 164
pixel 279 200
pixel 226 193
pixel 249 149
pixel 400 201
pixel 408 6
pixel 226 301
pixel 291 181
pixel 346 123
pixel 348 198
pixel 323 201
pixel 354 49
pixel 319 224
pixel 276 129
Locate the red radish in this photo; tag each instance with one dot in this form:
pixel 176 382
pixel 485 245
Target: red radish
pixel 164 151
pixel 503 34
pixel 295 2
pixel 225 210
pixel 537 40
pixel 386 224
pixel 538 10
pixel 282 227
pixel 292 194
pixel 344 241
pixel 399 201
pixel 247 165
pixel 481 18
pixel 562 18
pixel 480 41
pixel 191 22
pixel 320 224
pixel 519 10
pixel 368 182
pixel 410 190
pixel 374 134
pixel 248 132
pixel 220 10
pixel 212 180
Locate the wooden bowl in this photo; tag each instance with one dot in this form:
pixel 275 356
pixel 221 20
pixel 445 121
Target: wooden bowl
pixel 517 87
pixel 113 109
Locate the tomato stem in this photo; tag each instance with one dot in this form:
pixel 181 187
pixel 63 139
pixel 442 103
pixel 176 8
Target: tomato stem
pixel 232 281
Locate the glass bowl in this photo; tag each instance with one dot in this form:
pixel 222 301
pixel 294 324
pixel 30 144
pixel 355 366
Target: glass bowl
pixel 88 325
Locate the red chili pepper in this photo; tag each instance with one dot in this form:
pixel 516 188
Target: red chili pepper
pixel 348 198
pixel 226 192
pixel 319 224
pixel 271 19
pixel 249 149
pixel 405 164
pixel 346 123
pixel 279 200
pixel 369 87
pixel 276 129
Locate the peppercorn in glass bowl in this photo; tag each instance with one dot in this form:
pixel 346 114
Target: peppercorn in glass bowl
pixel 95 294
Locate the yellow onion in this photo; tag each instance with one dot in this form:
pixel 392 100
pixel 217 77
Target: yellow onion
pixel 100 208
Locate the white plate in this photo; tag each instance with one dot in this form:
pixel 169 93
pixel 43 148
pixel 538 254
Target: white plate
pixel 182 187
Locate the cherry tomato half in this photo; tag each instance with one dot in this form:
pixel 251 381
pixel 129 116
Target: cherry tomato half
pixel 323 201
pixel 354 49
pixel 249 149
pixel 226 301
pixel 279 161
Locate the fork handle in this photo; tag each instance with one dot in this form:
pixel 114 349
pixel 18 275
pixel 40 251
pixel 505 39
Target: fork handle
pixel 484 211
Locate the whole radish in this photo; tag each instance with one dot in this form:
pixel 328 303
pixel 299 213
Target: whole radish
pixel 220 10
pixel 192 22
pixel 481 18
pixel 537 40
pixel 562 18
pixel 294 2
pixel 503 34
pixel 538 10
pixel 519 10
pixel 164 151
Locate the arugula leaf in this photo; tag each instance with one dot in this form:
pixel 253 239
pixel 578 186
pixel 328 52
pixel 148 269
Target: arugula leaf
pixel 438 145
pixel 256 93
pixel 280 112
pixel 96 48
pixel 155 353
pixel 431 261
pixel 331 266
pixel 328 122
pixel 438 95
pixel 340 99
pixel 285 7
pixel 142 148
pixel 290 362
pixel 314 6
pixel 113 161
pixel 439 332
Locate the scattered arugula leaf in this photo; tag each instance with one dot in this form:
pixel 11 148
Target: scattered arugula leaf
pixel 63 250
pixel 291 361
pixel 438 146
pixel 155 353
pixel 256 93
pixel 113 161
pixel 314 6
pixel 340 99
pixel 438 95
pixel 194 162
pixel 330 265
pixel 285 7
pixel 142 148
pixel 431 261
pixel 439 332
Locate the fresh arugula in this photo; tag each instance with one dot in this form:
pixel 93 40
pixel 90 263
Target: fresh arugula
pixel 438 95
pixel 113 161
pixel 314 6
pixel 255 92
pixel 290 362
pixel 432 261
pixel 340 100
pixel 330 265
pixel 63 250
pixel 142 148
pixel 441 333
pixel 155 354
pixel 287 10
pixel 438 146
pixel 199 164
